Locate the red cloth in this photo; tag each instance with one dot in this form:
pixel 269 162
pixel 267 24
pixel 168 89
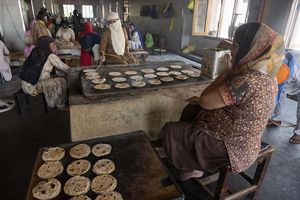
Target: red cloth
pixel 86 57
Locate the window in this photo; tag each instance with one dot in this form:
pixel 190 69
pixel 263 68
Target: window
pixel 87 11
pixel 219 18
pixel 292 33
pixel 68 9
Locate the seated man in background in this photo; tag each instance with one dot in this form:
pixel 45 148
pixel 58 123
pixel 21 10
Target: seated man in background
pixel 135 38
pixel 65 35
pixel 114 43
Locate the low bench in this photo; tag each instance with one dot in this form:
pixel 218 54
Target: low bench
pixel 141 54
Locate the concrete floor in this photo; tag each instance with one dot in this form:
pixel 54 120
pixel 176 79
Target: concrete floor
pixel 22 135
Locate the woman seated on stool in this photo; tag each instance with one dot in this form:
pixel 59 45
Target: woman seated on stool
pixel 134 38
pixel 35 73
pixel 225 124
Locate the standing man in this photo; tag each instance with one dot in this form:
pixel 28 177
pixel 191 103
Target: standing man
pixel 114 43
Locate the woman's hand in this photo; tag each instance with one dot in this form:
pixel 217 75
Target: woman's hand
pixel 102 56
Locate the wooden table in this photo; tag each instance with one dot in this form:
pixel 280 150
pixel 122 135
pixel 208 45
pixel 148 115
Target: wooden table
pixel 139 172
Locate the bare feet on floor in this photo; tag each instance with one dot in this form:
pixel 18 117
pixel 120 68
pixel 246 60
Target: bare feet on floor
pixel 295 139
pixel 187 175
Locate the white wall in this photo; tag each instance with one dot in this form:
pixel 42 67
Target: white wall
pixel 11 19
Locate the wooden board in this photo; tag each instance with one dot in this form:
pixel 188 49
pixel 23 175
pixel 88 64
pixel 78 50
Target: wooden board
pixel 89 91
pixel 139 172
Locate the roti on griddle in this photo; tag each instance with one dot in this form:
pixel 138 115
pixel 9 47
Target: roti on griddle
pixel 81 197
pixel 138 84
pixel 110 196
pixel 101 149
pixel 92 74
pixel 47 189
pixel 119 79
pixel 162 69
pixel 154 82
pixel 176 73
pixel 150 75
pixel 77 185
pixel 80 151
pixel 130 73
pixel 194 75
pixel 182 77
pixel 78 167
pixel 136 78
pixel 102 86
pixel 93 77
pixel 50 169
pixel 53 154
pixel 121 85
pixel 103 183
pixel 103 166
pixel 89 70
pixel 115 73
pixel 148 71
pixel 162 73
pixel 175 66
pixel 99 81
pixel 187 71
pixel 167 79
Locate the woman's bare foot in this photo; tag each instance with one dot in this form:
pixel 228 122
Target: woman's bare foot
pixel 187 175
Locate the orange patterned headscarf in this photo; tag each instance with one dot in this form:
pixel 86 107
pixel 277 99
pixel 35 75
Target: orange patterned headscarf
pixel 266 51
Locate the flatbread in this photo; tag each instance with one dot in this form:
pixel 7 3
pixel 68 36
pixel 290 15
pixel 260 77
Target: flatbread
pixel 154 82
pixel 110 196
pixel 167 79
pixel 53 154
pixel 47 189
pixel 80 151
pixel 50 169
pixel 78 167
pixel 81 197
pixel 101 149
pixel 175 66
pixel 138 84
pixel 77 185
pixel 103 184
pixel 103 166
pixel 182 77
pixel 137 78
pixel 115 73
pixel 150 75
pixel 162 73
pixel 130 73
pixel 194 75
pixel 176 73
pixel 122 85
pixel 187 71
pixel 99 81
pixel 119 79
pixel 162 69
pixel 148 71
pixel 102 86
pixel 93 77
pixel 91 74
pixel 89 70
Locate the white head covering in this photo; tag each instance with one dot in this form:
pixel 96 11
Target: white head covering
pixel 113 15
pixel 117 34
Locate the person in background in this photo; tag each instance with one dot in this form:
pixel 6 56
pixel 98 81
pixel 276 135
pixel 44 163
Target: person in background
pixel 28 39
pixel 64 33
pixel 40 28
pixel 50 24
pixel 85 57
pixel 288 78
pixel 114 43
pixel 90 43
pixel 135 40
pixel 36 77
pixel 225 124
pixel 77 22
pixel 5 70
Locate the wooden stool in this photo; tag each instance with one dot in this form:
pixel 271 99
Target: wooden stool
pixel 160 51
pixel 221 177
pixel 22 94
